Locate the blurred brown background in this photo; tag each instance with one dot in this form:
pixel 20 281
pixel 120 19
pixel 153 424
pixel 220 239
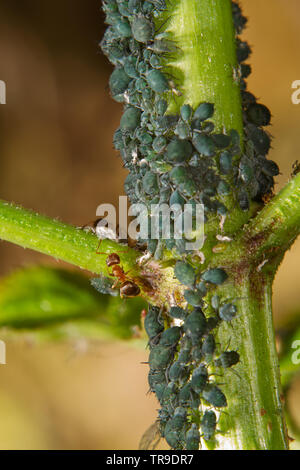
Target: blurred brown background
pixel 56 157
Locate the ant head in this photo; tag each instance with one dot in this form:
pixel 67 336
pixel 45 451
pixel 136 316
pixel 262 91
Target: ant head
pixel 113 259
pixel 129 289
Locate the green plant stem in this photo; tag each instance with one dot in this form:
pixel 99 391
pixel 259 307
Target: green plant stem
pixel 254 419
pixel 206 60
pixel 73 245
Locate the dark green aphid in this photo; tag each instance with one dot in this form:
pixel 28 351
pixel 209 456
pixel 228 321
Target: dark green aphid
pixel 185 273
pixel 240 21
pixel 176 198
pixel 208 424
pixel 153 323
pixel 269 167
pixel 245 70
pixel 150 183
pixel 259 114
pixel 103 285
pixel 173 427
pixel 246 171
pixel 159 390
pixel 212 323
pixel 177 312
pixel 221 140
pixel 215 302
pixel 193 297
pixel 156 377
pixel 243 50
pixel 195 325
pixel 213 395
pixel 161 107
pixel 243 199
pixel 215 276
pixel 199 379
pixel 186 112
pixel 260 139
pixel 225 162
pixel 160 357
pixel 130 67
pixel 201 287
pixel 184 356
pixel 247 98
pixel 182 130
pixel 208 346
pixel 227 359
pixel 170 337
pixel 204 111
pixel 227 312
pixel 193 438
pixel 170 395
pixel 197 354
pixel 140 85
pixel 178 372
pixel 123 28
pixel 118 82
pixel 204 144
pixel 179 150
pixel 154 61
pixel 223 188
pixel 157 81
pixel 142 29
pixel 130 119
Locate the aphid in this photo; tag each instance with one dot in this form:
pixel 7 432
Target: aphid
pixel 221 140
pixel 178 372
pixel 156 377
pixel 160 357
pixel 177 312
pixel 123 28
pixel 130 119
pixel 246 170
pixel 142 29
pixel 243 50
pixel 260 138
pixel 170 337
pixel 176 198
pixel 227 312
pixel 153 324
pixel 227 359
pixel 204 144
pixel 186 112
pixel 174 426
pixel 179 150
pixel 199 379
pixel 161 107
pixel 118 82
pixel 215 276
pixel 243 199
pixel 185 273
pixel 213 395
pixel 204 111
pixel 182 130
pixel 157 81
pixel 103 285
pixel 225 162
pixel 258 114
pixel 193 438
pixel 150 183
pixel 195 325
pixel 208 346
pixel 245 70
pixel 208 424
pixel 193 297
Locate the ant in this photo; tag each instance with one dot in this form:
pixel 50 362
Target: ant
pixel 128 287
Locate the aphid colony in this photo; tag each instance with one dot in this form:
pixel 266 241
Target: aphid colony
pixel 183 360
pixel 182 159
pixel 179 158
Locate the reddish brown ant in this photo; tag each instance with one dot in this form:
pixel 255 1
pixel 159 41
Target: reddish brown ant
pixel 128 287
